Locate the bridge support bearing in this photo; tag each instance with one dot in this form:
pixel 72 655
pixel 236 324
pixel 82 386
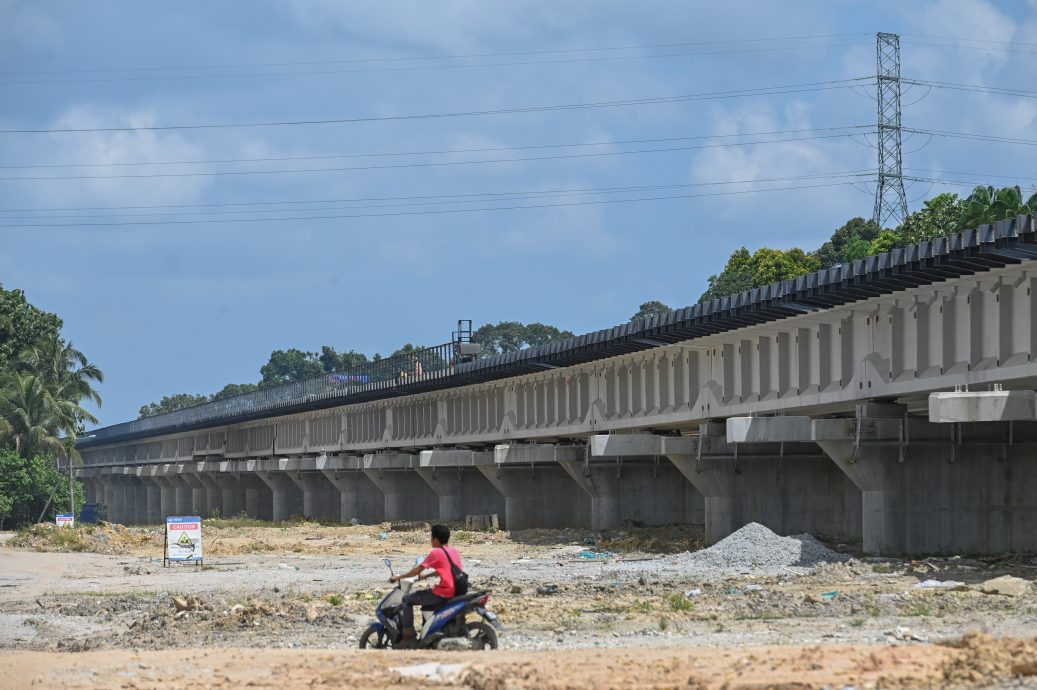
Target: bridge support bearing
pixel 287 496
pixel 358 498
pixel 320 498
pixel 931 488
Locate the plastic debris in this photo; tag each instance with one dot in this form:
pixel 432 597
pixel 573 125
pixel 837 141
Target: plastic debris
pixel 754 588
pixel 938 584
pixel 547 590
pixel 693 592
pixel 443 673
pixel 829 595
pixel 384 536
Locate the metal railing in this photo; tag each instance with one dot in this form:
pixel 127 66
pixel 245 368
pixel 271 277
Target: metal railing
pixel 416 366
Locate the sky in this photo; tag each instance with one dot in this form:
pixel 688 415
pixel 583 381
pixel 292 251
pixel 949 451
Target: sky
pixel 374 232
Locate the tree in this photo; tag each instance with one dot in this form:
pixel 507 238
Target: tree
pixel 511 336
pixel 232 389
pixel 289 366
pixel 35 421
pixel 22 326
pixel 850 242
pixel 650 309
pixel 940 216
pixel 986 205
pixel 340 361
pixel 172 403
pixel 887 242
pixel 65 371
pixel 745 271
pixel 26 486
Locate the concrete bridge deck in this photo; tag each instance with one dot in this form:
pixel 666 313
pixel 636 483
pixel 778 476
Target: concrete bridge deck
pixel 629 424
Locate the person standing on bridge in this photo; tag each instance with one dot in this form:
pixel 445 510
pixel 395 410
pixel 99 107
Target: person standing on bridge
pixel 444 560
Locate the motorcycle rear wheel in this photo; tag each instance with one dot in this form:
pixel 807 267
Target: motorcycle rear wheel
pixel 482 636
pixel 380 639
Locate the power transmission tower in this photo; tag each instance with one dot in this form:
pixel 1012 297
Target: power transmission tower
pixel 890 199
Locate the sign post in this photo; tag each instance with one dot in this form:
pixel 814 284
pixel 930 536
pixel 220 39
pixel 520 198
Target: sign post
pixel 65 519
pixel 183 540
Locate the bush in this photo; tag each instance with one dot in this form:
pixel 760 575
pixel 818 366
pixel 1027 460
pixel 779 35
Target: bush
pixel 25 486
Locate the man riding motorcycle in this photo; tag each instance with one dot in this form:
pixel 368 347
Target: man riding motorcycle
pixel 440 559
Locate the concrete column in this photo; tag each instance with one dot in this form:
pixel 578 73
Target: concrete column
pixel 358 497
pixel 89 489
pixel 184 495
pixel 232 494
pixel 213 494
pixel 259 499
pixel 287 497
pixel 139 490
pixel 537 491
pixel 152 500
pixel 938 488
pixel 406 495
pixel 462 490
pixel 115 493
pixel 167 490
pixel 199 494
pixel 602 486
pixel 320 498
pixel 789 487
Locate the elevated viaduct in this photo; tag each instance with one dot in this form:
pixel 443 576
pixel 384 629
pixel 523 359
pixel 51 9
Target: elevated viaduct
pixel 888 402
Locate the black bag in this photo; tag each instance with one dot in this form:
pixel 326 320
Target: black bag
pixel 460 576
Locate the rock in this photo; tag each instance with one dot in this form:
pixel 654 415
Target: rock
pixel 547 590
pixel 181 604
pixel 515 589
pixel 311 612
pixel 1006 585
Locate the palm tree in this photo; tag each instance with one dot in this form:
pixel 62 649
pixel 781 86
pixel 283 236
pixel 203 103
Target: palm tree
pixel 986 205
pixel 33 420
pixel 64 370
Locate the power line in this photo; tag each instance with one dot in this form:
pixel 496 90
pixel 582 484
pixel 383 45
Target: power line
pixel 431 153
pixel 978 88
pixel 738 93
pixel 409 68
pixel 444 199
pixel 424 164
pixel 967 39
pixel 975 137
pixel 429 212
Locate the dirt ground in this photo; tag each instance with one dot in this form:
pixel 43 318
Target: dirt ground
pixel 284 606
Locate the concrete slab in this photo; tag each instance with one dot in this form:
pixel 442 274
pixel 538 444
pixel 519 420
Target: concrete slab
pixel 983 406
pixel 611 445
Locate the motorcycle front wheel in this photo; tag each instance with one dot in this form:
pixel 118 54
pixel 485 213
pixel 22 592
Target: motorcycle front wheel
pixel 482 636
pixel 374 638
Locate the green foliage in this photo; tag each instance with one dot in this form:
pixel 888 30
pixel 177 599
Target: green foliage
pixel 340 361
pixel 511 336
pixel 650 309
pixel 679 602
pixel 26 484
pixel 887 241
pixel 289 366
pixel 232 389
pixel 22 326
pixel 940 216
pixel 848 243
pixel 765 265
pixel 987 205
pixel 172 403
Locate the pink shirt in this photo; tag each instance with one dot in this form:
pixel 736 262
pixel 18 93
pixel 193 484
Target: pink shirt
pixel 438 562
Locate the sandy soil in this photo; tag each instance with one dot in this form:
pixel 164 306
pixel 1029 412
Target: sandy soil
pixel 103 620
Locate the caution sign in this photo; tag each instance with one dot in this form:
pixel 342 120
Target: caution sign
pixel 183 540
pixel 64 519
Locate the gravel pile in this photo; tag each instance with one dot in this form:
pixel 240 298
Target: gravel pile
pixel 753 548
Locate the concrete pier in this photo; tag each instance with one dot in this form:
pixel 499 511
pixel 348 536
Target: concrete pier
pixel 407 496
pixel 537 491
pixel 286 494
pixel 461 488
pixel 937 488
pixel 359 499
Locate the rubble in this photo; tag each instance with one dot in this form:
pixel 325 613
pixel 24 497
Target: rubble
pixel 1006 585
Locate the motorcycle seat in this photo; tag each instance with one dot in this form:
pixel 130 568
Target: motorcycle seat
pixel 471 596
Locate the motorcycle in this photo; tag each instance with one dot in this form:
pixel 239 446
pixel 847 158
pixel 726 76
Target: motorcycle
pixel 447 626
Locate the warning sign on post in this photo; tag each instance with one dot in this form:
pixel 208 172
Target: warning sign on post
pixel 64 519
pixel 183 539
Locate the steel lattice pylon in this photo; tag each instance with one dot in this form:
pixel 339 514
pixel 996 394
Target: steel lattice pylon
pixel 890 199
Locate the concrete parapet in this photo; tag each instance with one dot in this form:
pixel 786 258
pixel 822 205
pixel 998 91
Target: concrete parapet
pixel 982 406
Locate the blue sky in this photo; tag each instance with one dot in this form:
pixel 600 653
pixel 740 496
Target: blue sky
pixel 190 307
